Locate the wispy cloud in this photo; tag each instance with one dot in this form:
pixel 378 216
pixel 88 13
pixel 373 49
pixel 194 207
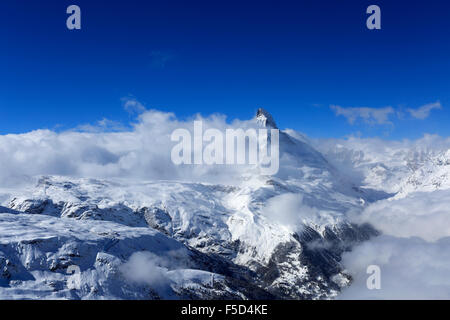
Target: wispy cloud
pixel 424 111
pixel 367 115
pixel 383 116
pixel 132 105
pixel 104 125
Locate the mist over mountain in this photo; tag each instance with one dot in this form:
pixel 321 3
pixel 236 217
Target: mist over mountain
pixel 138 226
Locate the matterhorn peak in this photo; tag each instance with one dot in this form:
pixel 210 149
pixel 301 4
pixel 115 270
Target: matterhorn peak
pixel 265 119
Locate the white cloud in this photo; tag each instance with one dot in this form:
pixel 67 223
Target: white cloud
pixel 368 115
pixel 411 268
pixel 413 253
pixel 289 211
pixel 140 152
pixel 103 125
pixel 421 214
pixel 424 111
pixel 381 116
pixel 146 267
pixel 132 105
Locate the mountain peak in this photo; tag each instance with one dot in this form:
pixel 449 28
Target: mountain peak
pixel 265 119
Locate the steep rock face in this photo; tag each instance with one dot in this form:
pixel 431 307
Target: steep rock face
pixel 308 268
pixel 158 219
pixel 265 119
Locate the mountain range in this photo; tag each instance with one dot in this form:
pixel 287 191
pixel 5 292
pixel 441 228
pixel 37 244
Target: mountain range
pixel 262 237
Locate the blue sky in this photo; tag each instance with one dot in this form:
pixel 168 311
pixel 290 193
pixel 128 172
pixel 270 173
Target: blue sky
pixel 296 59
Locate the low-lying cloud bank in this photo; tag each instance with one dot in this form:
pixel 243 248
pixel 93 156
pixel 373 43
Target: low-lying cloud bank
pixel 143 152
pixel 411 268
pixel 421 214
pixel 413 253
pixel 140 153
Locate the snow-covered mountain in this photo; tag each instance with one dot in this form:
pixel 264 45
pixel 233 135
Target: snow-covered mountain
pixel 433 174
pixel 270 237
pixel 380 164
